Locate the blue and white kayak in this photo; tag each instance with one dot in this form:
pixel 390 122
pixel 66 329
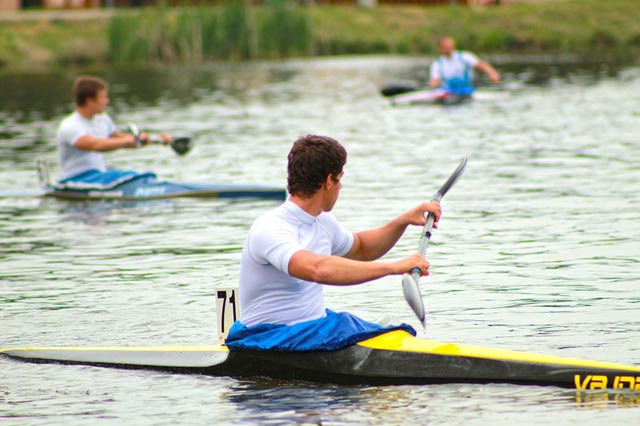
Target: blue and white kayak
pixel 131 185
pixel 392 358
pixel 149 188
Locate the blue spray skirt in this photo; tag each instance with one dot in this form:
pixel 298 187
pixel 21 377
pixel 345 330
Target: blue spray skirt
pixel 332 332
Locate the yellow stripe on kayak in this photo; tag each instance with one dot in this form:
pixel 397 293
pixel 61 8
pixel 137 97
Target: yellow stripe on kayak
pixel 400 340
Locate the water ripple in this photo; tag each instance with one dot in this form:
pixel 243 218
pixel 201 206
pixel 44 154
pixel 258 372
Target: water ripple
pixel 537 249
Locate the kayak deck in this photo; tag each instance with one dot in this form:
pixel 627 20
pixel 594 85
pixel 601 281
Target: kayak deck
pixel 431 97
pixel 439 97
pixel 158 189
pixel 393 358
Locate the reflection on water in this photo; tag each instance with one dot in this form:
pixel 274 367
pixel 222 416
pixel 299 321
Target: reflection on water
pixel 606 399
pixel 537 249
pixel 288 402
pixel 276 402
pixel 98 212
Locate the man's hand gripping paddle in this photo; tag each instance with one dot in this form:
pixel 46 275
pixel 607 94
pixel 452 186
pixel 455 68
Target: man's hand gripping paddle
pixel 410 283
pixel 181 144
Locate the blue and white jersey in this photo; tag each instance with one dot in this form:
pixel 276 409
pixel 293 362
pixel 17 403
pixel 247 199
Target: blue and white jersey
pixel 455 72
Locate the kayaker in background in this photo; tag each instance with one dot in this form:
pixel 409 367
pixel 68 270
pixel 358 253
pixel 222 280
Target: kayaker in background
pixel 291 251
pixel 89 131
pixel 453 70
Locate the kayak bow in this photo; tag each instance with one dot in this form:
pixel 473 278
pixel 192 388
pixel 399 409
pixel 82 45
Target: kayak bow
pixel 392 358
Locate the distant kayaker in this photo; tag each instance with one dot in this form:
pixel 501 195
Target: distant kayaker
pixel 453 70
pixel 89 131
pixel 291 251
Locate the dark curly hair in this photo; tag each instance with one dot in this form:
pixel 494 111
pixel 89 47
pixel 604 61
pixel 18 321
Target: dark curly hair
pixel 311 159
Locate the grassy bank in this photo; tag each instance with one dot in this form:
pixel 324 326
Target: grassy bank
pixel 238 31
pixel 556 27
pixel 41 42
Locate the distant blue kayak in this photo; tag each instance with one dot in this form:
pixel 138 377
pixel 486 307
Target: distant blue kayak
pixel 149 188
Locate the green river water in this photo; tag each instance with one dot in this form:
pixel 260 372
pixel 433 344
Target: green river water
pixel 538 248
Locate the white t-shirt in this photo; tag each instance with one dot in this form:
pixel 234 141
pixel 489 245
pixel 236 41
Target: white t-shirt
pixel 72 128
pixel 268 294
pixel 446 68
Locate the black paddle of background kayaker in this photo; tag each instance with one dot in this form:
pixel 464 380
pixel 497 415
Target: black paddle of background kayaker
pixel 410 283
pixel 397 89
pixel 181 144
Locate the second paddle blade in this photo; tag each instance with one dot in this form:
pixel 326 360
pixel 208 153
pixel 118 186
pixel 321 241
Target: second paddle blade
pixel 181 144
pixel 412 295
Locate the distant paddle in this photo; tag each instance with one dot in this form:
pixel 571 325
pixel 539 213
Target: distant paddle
pixel 410 283
pixel 397 89
pixel 181 144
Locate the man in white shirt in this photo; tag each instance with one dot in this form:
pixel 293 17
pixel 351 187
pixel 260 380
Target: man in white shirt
pixel 89 131
pixel 295 249
pixel 453 70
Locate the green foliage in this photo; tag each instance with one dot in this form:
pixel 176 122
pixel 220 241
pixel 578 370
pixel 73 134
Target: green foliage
pixel 244 29
pixel 9 48
pixel 604 39
pixel 235 30
pixel 186 37
pixel 211 38
pixel 634 40
pixel 284 30
pixel 495 39
pixel 125 45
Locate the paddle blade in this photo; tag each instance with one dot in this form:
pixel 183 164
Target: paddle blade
pixel 452 179
pixel 133 129
pixel 412 295
pixel 181 144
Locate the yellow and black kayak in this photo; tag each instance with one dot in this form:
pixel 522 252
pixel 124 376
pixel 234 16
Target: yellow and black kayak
pixel 393 358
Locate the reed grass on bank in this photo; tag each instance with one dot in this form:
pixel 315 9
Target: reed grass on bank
pixel 239 30
pixel 232 31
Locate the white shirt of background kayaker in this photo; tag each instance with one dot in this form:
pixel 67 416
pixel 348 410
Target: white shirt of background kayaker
pixel 268 294
pixel 446 68
pixel 72 128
